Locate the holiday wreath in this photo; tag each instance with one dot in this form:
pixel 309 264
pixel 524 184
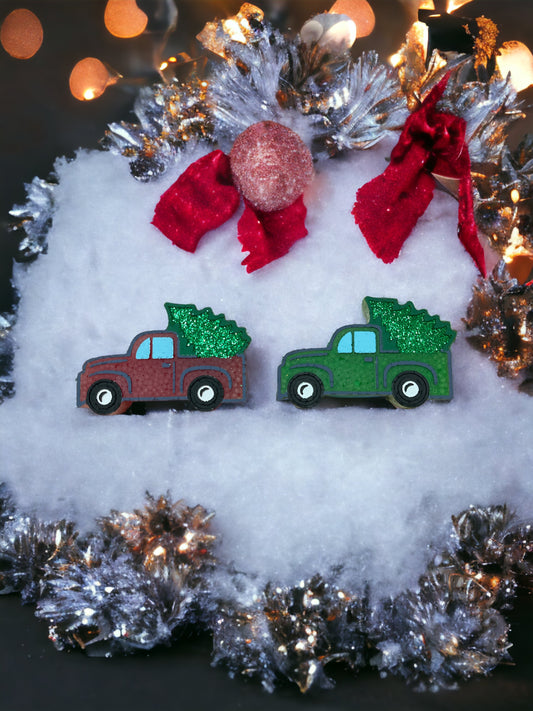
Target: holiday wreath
pixel 139 577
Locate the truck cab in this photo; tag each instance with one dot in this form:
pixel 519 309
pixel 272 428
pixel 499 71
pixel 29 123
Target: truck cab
pixel 364 361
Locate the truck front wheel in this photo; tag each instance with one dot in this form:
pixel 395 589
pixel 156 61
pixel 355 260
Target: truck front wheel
pixel 205 393
pixel 305 390
pixel 410 390
pixel 104 397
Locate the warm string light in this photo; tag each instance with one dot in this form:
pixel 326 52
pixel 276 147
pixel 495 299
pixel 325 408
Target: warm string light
pixel 516 59
pixel 164 65
pixel 463 35
pixel 518 255
pixel 124 19
pixel 515 247
pixel 234 29
pixel 237 28
pixel 417 35
pixel 90 78
pixel 359 11
pixel 454 5
pixel 513 58
pixel 181 66
pixel 21 34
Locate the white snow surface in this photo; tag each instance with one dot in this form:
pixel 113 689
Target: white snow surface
pixel 295 492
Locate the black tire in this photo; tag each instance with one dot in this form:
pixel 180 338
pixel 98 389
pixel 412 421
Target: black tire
pixel 205 393
pixel 104 397
pixel 410 389
pixel 305 390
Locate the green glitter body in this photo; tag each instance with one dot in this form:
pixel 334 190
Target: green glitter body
pixel 204 334
pixel 401 354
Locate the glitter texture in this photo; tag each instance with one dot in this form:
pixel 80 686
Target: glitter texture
pixel 271 165
pixel 410 330
pixel 205 335
pixel 171 117
pixel 102 594
pixel 500 319
pixel 164 534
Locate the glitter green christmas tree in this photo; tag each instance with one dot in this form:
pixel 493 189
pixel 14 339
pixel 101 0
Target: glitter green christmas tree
pixel 206 335
pixel 407 329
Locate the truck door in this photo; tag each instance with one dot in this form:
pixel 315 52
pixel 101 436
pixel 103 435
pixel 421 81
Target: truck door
pixel 154 374
pixel 357 362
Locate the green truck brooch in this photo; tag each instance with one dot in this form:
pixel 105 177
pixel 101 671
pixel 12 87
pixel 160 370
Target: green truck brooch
pixel 402 354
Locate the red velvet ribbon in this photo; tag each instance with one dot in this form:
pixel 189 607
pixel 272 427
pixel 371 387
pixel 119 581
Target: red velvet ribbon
pixel 204 197
pixel 201 199
pixel 269 235
pixel 388 207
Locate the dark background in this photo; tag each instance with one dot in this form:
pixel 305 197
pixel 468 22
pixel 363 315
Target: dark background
pixel 39 120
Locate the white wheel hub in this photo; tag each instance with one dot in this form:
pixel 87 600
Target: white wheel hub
pixel 305 390
pixel 206 393
pixel 410 389
pixel 104 397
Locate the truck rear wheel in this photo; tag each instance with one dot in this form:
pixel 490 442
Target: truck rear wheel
pixel 205 393
pixel 305 390
pixel 410 389
pixel 105 397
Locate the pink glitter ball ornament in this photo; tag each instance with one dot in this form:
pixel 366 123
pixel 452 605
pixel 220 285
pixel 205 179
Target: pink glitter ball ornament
pixel 271 165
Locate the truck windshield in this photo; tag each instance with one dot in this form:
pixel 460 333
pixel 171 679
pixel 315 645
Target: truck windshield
pixel 357 342
pixel 143 351
pixel 345 344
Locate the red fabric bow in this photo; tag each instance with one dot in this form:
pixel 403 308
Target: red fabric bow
pixel 204 197
pixel 388 207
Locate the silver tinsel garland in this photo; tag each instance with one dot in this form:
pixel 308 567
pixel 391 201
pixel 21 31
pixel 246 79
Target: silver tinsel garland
pixel 30 227
pixel 7 386
pixel 104 606
pixel 143 576
pixel 291 633
pixel 500 320
pixel 34 218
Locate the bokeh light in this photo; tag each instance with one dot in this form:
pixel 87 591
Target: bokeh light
pixel 124 19
pixel 359 11
pixel 21 34
pixel 515 58
pixel 90 78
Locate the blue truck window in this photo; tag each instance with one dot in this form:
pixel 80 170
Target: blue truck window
pixel 162 347
pixel 143 351
pixel 345 344
pixel 364 342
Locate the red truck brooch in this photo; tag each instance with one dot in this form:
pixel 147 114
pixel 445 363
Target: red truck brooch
pixel 198 358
